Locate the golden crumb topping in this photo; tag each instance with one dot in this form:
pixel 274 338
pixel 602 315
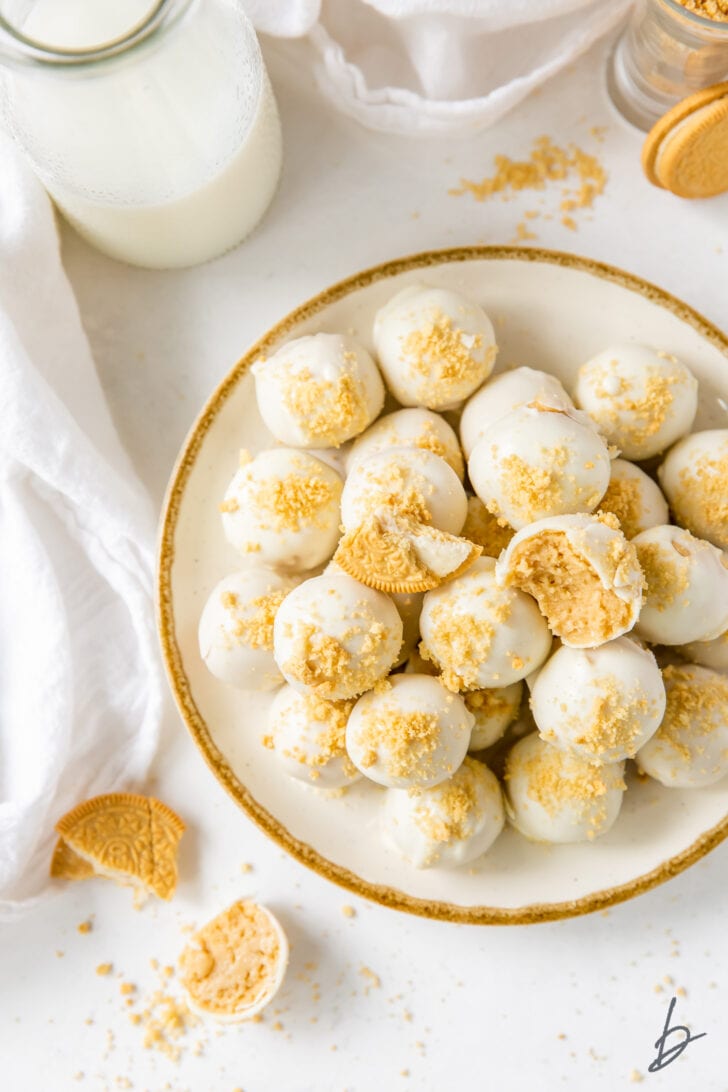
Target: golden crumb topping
pixel 555 779
pixel 696 706
pixel 326 410
pixel 450 814
pixel 233 962
pixel 531 487
pixel 446 357
pixel 666 573
pixel 485 529
pixel 326 665
pixel 614 720
pixel 487 703
pixel 327 741
pixel 254 628
pixel 463 641
pixel 705 484
pixel 297 501
pixel 647 405
pixel 623 499
pixel 403 741
pixel 396 488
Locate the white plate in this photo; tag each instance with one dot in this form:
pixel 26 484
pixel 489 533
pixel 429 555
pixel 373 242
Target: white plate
pixel 551 311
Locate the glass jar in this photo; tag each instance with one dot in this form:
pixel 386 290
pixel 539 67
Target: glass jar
pixel 154 129
pixel 665 54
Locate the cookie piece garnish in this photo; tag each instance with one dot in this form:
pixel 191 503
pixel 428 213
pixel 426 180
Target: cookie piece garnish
pixel 126 837
pixel 397 554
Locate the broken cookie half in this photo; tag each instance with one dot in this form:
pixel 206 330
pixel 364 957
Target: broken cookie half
pixel 397 554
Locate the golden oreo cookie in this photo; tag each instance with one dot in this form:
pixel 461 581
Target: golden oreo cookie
pixel 125 837
pixel 398 555
pixel 686 151
pixel 67 865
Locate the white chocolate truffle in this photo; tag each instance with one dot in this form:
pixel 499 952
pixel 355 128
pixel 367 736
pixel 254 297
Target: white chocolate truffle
pixel 601 703
pixel 435 346
pixel 318 391
pixel 414 427
pixel 335 637
pixel 410 733
pixel 552 796
pixel 582 572
pixel 283 508
pixel 308 736
pixel 640 398
pixel 236 628
pixel 694 476
pixel 482 635
pixel 690 748
pixel 712 654
pixel 634 498
pixel 449 825
pixel 687 587
pixel 506 392
pixel 493 710
pixel 538 462
pixel 411 481
pixel 234 965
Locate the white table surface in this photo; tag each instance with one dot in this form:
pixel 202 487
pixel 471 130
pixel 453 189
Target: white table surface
pixel 570 1005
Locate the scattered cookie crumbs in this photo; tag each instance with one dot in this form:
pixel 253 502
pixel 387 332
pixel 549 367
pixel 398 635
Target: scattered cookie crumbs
pixel 245 868
pixel 372 979
pixel 84 927
pixel 59 954
pixel 681 991
pixel 126 988
pixel 277 1026
pixel 668 981
pixel 547 163
pixel 659 988
pixel 104 968
pixel 404 1072
pixel 635 1076
pixel 348 911
pixel 561 1035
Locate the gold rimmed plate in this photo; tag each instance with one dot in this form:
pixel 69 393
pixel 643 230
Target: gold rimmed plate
pixel 551 311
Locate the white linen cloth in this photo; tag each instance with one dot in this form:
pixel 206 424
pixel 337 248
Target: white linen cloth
pixel 80 683
pixel 436 66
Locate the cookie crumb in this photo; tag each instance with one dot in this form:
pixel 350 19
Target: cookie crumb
pixel 84 927
pixel 104 968
pixel 348 911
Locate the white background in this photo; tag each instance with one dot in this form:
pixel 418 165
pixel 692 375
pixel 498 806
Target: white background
pixel 571 1005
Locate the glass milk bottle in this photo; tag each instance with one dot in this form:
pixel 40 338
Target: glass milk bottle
pixel 152 125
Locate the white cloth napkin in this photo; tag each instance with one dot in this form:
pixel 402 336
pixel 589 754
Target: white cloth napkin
pixel 80 685
pixel 436 66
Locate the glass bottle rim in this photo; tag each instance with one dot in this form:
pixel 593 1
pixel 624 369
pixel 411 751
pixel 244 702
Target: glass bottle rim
pixel 17 48
pixel 694 17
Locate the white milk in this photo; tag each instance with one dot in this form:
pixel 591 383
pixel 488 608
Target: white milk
pixel 167 158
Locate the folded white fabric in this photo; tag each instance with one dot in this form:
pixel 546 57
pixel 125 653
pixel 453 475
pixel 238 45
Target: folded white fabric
pixel 80 685
pixel 436 66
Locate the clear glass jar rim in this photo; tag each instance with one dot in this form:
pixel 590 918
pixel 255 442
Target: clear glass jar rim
pixel 703 21
pixel 18 48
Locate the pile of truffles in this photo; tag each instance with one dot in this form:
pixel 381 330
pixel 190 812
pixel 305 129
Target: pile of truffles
pixel 398 607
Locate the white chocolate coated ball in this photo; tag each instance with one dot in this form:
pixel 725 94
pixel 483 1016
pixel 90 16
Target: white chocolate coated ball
pixel 482 635
pixel 553 796
pixel 634 498
pixel 435 346
pixel 283 508
pixel 536 462
pixel 414 427
pixel 687 587
pixel 336 637
pixel 506 392
pixel 451 824
pixel 694 476
pixel 690 748
pixel 236 628
pixel 308 736
pixel 600 703
pixel 493 710
pixel 408 480
pixel 712 654
pixel 318 391
pixel 641 399
pixel 411 733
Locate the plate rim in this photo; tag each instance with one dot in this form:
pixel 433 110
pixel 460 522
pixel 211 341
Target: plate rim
pixel 383 894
